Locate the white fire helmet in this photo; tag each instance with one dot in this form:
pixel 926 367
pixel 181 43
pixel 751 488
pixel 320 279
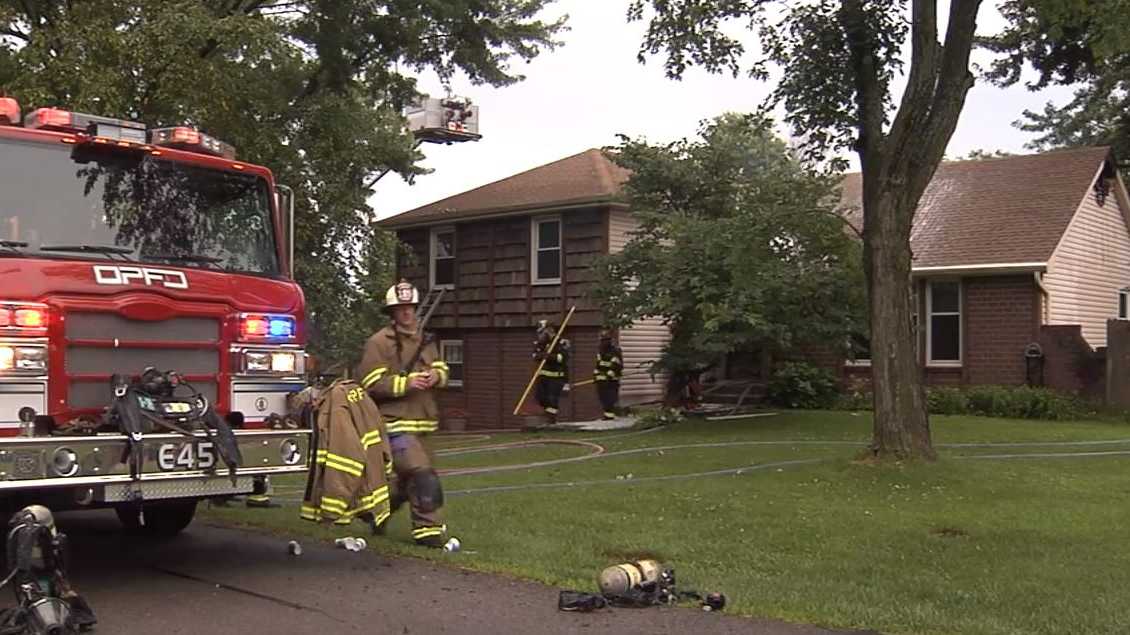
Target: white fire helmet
pixel 402 293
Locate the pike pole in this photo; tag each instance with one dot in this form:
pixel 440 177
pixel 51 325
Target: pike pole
pixel 542 363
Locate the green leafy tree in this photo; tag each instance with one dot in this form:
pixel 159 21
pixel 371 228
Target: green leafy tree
pixel 838 60
pixel 1071 42
pixel 312 89
pixel 739 246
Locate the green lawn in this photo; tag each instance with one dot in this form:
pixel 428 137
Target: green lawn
pixel 1028 545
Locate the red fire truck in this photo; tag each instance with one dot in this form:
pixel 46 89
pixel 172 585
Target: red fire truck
pixel 124 248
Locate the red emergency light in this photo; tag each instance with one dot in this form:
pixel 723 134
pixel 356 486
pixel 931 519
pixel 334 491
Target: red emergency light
pixel 9 112
pixel 21 317
pixel 101 129
pixel 191 139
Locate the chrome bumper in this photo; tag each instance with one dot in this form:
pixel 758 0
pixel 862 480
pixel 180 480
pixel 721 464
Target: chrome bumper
pixel 27 463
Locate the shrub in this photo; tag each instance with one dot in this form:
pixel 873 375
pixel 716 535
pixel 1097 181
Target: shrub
pixel 854 400
pixel 946 401
pixel 1013 402
pixel 800 385
pixel 660 417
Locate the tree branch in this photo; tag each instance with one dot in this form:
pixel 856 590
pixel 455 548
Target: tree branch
pixel 919 94
pixel 954 82
pixel 868 89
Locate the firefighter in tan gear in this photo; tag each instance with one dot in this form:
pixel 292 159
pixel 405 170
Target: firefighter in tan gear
pixel 400 368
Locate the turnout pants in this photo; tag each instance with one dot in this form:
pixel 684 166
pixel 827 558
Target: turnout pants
pixel 548 394
pixel 409 457
pixel 609 393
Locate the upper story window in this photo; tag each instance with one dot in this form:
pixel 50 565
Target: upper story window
pixel 443 258
pixel 1123 302
pixel 545 253
pixel 943 337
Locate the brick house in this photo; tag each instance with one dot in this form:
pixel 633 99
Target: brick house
pixel 511 253
pixel 1015 252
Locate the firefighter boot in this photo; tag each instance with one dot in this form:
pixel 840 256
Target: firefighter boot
pixel 260 496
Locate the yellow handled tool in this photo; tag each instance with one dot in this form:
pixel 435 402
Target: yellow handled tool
pixel 542 363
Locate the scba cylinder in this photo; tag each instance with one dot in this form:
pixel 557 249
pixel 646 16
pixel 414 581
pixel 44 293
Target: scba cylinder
pixel 620 578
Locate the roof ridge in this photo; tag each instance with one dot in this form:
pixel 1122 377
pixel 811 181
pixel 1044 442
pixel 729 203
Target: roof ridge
pixel 1013 157
pixel 489 184
pixel 603 172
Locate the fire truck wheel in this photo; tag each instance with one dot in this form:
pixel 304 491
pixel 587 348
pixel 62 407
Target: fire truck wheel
pixel 161 518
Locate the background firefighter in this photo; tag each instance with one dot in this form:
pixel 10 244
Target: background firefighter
pixel 404 396
pixel 606 375
pixel 554 375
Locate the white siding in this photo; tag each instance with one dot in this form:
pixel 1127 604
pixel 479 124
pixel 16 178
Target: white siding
pixel 1090 265
pixel 644 340
pixel 620 225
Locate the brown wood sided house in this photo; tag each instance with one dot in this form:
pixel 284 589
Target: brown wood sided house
pixel 1008 253
pixel 1013 255
pixel 514 252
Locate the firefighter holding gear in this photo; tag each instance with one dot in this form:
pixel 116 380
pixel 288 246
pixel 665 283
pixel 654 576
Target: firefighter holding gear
pixel 606 375
pixel 553 378
pixel 400 368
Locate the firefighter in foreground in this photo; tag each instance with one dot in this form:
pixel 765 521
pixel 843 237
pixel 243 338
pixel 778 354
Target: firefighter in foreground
pixel 606 375
pixel 400 368
pixel 553 378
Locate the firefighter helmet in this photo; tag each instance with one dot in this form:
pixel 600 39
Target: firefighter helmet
pixel 400 293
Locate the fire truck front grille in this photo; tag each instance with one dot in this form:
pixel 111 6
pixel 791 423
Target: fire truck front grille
pixel 101 344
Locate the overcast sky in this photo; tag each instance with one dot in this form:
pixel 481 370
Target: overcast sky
pixel 586 92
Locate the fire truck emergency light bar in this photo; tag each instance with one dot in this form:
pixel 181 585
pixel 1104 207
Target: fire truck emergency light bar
pixel 105 127
pixel 183 137
pixel 125 133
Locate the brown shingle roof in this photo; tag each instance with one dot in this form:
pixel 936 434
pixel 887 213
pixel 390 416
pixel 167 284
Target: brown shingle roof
pixel 1007 210
pixel 587 177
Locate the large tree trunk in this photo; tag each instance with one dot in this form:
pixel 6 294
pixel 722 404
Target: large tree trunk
pixel 897 166
pixel 902 429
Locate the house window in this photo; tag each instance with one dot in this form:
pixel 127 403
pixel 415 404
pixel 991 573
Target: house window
pixel 452 352
pixel 859 342
pixel 1123 301
pixel 943 338
pixel 546 252
pixel 443 258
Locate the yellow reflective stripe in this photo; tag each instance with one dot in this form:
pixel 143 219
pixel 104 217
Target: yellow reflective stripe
pixel 380 518
pixel 423 532
pixel 412 425
pixel 399 385
pixel 373 377
pixel 442 372
pixel 371 438
pixel 344 468
pixel 551 410
pixel 343 464
pixel 441 365
pixel 309 513
pixel 551 373
pixel 331 503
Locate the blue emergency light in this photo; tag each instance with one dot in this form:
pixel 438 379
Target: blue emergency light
pixel 281 327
